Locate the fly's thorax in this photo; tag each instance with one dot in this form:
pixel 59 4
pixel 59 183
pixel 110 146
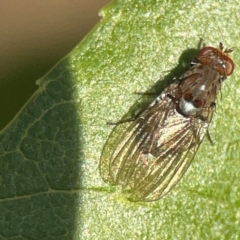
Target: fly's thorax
pixel 200 81
pixel 198 89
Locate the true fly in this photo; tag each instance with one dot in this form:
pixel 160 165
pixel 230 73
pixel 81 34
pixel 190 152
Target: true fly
pixel 149 156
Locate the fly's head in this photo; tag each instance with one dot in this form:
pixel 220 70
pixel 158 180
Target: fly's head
pixel 218 59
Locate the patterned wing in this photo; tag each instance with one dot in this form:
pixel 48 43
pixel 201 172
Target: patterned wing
pixel 154 151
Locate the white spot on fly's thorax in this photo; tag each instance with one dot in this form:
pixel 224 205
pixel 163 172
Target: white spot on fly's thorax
pixel 202 87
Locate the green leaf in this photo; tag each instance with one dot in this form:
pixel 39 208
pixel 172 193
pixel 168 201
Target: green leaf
pixel 50 187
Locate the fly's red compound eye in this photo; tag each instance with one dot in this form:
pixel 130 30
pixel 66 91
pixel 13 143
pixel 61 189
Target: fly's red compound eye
pixel 218 59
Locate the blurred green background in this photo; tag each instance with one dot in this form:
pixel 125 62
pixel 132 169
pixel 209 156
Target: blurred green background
pixel 35 35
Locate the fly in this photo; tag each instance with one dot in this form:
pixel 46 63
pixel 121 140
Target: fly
pixel 148 157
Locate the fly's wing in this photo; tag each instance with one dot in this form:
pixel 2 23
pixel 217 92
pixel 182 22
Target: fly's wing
pixel 163 157
pixel 153 152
